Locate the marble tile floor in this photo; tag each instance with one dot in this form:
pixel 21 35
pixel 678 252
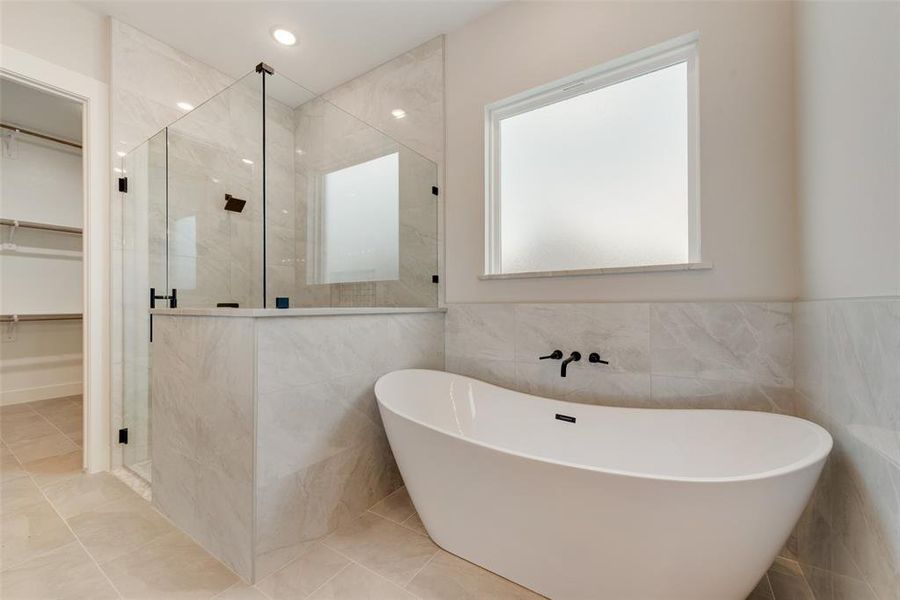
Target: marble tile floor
pixel 68 535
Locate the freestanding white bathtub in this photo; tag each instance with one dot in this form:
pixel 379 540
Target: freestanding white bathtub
pixel 582 502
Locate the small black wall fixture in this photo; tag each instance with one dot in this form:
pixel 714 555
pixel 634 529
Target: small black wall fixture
pixel 234 204
pixel 595 358
pixel 574 357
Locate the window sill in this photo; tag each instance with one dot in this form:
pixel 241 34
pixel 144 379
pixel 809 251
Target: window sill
pixel 696 266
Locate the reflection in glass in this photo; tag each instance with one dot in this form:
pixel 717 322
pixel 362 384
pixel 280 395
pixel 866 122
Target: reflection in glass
pixel 359 237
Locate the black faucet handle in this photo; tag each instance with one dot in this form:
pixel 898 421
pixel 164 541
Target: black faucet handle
pixel 595 358
pixel 555 355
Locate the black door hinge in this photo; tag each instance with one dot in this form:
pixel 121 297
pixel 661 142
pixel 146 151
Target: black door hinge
pixel 123 435
pixel 435 279
pixel 434 190
pixel 172 298
pixel 123 184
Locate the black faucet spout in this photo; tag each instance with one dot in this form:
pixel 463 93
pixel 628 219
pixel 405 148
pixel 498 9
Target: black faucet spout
pixel 574 357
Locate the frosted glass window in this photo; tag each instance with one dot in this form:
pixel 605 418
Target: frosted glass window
pixel 361 222
pixel 595 174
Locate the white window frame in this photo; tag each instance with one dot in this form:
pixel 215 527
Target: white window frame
pixel 683 49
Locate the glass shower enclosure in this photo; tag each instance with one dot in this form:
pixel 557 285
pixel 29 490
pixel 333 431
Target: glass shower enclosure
pixel 267 195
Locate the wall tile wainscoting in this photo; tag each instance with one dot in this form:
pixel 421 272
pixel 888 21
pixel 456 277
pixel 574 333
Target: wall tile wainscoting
pixel 678 355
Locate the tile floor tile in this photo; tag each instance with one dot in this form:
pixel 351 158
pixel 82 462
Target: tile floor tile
pixel 54 404
pixel 397 507
pixel 118 527
pixel 24 427
pixel 31 531
pixel 414 522
pixel 67 422
pixel 241 591
pixel 10 468
pixel 76 495
pixel 388 549
pixel 304 575
pixel 62 574
pixel 357 583
pixel 18 493
pixel 42 447
pixel 14 409
pixel 46 471
pixel 448 577
pixel 171 567
pixel 77 438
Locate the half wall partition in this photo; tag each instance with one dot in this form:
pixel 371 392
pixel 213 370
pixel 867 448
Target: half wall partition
pixel 268 195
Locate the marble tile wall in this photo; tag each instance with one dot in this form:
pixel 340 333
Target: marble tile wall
pixel 202 444
pixel 353 123
pixel 266 434
pixel 322 455
pixel 847 378
pixel 671 355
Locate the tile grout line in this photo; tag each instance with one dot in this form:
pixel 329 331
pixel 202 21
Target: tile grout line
pixel 52 424
pixel 422 568
pixel 341 570
pixel 72 531
pixel 379 575
pixel 64 434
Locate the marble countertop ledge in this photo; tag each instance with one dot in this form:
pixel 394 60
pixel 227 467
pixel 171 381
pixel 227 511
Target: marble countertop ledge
pixel 291 312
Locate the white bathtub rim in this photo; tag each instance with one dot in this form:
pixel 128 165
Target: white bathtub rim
pixel 814 457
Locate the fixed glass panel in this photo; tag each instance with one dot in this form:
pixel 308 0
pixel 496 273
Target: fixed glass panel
pixel 596 173
pixel 360 222
pixel 215 200
pixel 351 213
pixel 143 267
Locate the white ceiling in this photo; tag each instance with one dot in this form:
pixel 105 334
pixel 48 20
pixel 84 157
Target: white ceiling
pixel 40 111
pixel 336 40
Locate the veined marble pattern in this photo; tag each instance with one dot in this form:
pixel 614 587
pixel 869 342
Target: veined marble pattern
pixel 322 455
pixel 413 82
pixel 295 394
pixel 203 431
pixel 678 355
pixel 848 380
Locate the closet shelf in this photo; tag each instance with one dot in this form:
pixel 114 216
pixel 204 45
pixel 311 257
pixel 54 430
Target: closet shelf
pixel 41 226
pixel 40 317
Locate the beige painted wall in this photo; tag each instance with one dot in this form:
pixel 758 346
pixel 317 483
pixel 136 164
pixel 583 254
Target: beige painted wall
pixel 62 33
pixel 746 102
pixel 848 139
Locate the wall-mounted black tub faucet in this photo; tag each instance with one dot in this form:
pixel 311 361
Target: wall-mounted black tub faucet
pixel 595 358
pixel 555 355
pixel 574 357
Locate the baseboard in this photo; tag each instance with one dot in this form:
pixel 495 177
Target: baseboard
pixel 44 392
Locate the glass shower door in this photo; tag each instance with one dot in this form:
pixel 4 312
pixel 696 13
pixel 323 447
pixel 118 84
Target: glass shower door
pixel 143 267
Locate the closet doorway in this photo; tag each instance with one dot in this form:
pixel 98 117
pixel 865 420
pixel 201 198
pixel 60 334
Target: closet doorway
pixel 41 274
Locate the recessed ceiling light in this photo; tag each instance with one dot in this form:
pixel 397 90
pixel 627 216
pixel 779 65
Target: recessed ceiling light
pixel 120 153
pixel 247 161
pixel 284 37
pixel 398 113
pixel 185 106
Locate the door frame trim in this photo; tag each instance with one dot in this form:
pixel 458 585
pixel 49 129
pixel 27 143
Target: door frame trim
pixel 96 361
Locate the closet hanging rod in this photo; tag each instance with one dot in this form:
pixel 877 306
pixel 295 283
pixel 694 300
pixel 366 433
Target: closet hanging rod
pixel 42 226
pixel 43 136
pixel 40 317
